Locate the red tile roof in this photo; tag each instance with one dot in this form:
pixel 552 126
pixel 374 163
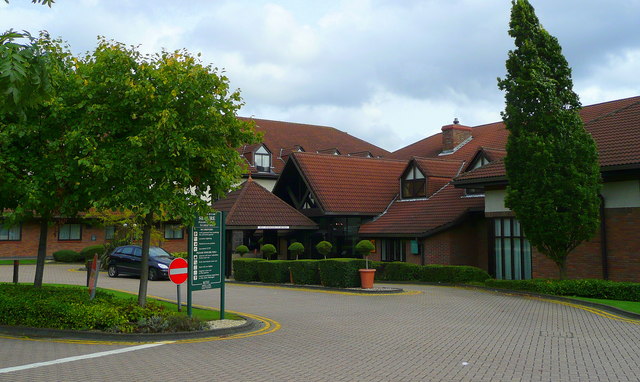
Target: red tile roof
pixel 615 127
pixel 252 205
pixel 283 136
pixel 439 167
pixel 351 185
pixel 423 217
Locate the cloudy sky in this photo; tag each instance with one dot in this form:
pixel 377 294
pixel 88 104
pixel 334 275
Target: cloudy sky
pixel 387 71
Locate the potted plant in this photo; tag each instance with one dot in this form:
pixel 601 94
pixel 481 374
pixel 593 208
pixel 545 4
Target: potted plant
pixel 324 248
pixel 365 248
pixel 268 250
pixel 241 250
pixel 296 248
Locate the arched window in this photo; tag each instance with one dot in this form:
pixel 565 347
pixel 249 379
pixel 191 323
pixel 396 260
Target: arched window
pixel 263 160
pixel 414 184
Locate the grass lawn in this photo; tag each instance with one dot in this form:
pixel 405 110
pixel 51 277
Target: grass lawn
pixel 629 306
pixel 22 262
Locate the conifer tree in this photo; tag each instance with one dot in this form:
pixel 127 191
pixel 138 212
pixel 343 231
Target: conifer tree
pixel 552 162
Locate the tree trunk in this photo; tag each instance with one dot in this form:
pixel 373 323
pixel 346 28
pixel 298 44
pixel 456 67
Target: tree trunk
pixel 42 252
pixel 562 267
pixel 144 263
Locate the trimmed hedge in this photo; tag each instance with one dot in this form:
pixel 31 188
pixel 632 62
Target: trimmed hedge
pixel 398 271
pixel 305 272
pixel 452 274
pixel 68 256
pixel 340 273
pixel 87 253
pixel 274 271
pixel 246 269
pixel 590 288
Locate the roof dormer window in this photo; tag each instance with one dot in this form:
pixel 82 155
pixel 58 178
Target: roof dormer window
pixel 480 161
pixel 414 184
pixel 262 159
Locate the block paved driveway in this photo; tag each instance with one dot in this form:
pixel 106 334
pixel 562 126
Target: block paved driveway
pixel 441 334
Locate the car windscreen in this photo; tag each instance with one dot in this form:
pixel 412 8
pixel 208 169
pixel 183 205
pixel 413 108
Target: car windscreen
pixel 158 252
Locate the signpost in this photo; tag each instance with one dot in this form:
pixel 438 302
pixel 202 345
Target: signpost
pixel 178 273
pixel 206 257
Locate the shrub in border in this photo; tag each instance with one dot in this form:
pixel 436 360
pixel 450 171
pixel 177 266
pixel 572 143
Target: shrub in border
pixel 452 274
pixel 87 253
pixel 590 288
pixel 246 269
pixel 340 273
pixel 274 271
pixel 67 256
pixel 400 271
pixel 305 272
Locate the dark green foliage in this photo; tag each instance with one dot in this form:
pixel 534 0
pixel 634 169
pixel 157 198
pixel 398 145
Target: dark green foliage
pixel 552 162
pixel 324 248
pixel 399 271
pixel 590 288
pixel 70 308
pixel 68 256
pixel 268 250
pixel 276 271
pixel 364 247
pixel 340 273
pixel 305 272
pixel 452 274
pixel 246 269
pixel 87 253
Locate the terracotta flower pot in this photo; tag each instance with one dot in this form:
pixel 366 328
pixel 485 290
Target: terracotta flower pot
pixel 366 278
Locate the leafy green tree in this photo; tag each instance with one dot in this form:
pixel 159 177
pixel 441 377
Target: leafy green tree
pixel 159 135
pixel 324 248
pixel 364 248
pixel 296 249
pixel 552 163
pixel 41 178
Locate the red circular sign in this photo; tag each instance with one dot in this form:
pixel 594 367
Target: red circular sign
pixel 178 270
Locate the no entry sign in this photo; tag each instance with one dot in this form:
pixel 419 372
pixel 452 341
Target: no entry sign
pixel 178 271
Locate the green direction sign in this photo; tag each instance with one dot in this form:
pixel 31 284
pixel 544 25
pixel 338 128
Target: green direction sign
pixel 206 252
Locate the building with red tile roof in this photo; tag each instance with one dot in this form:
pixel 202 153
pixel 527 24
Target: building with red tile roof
pixel 266 160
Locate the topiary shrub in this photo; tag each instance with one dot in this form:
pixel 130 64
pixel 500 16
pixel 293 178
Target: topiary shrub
pixel 452 274
pixel 340 273
pixel 68 256
pixel 276 271
pixel 364 248
pixel 87 253
pixel 242 250
pixel 305 272
pixel 296 249
pixel 324 248
pixel 246 269
pixel 268 250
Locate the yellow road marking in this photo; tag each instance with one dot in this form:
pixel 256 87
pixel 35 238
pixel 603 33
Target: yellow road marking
pixel 312 290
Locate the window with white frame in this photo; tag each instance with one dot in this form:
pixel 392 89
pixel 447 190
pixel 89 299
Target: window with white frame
pixel 109 232
pixel 511 250
pixel 263 159
pixel 70 232
pixel 12 233
pixel 414 184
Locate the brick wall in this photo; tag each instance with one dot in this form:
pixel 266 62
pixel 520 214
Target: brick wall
pixel 623 247
pixel 27 247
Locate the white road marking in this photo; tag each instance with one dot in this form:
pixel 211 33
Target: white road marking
pixel 80 357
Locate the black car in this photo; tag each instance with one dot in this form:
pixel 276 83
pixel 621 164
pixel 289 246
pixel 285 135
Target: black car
pixel 127 260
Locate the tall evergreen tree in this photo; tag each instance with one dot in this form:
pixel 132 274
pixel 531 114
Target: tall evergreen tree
pixel 552 162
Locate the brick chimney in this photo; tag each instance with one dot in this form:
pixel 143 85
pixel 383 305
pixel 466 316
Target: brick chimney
pixel 453 135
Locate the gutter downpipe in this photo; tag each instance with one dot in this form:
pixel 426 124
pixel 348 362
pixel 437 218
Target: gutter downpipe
pixel 603 240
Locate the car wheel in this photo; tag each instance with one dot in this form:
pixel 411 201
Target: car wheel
pixel 112 271
pixel 153 274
